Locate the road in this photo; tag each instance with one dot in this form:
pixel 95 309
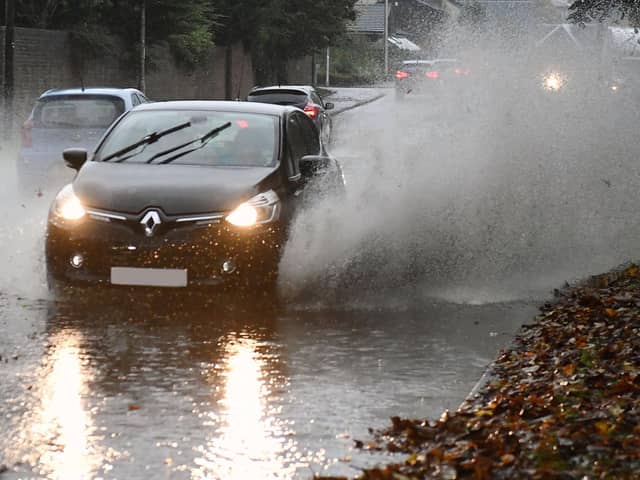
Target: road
pixel 381 317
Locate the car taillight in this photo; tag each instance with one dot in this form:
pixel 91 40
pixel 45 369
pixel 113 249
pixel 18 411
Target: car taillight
pixel 26 133
pixel 400 74
pixel 311 109
pixel 458 71
pixel 433 74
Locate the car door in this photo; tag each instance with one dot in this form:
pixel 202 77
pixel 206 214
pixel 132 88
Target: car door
pixel 299 144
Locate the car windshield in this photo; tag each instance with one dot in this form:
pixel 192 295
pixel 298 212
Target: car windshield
pixel 80 111
pixel 279 97
pixel 250 140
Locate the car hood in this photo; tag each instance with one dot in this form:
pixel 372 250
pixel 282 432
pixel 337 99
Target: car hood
pixel 175 189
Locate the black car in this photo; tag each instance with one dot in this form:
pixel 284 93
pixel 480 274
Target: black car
pixel 189 193
pixel 420 77
pixel 304 97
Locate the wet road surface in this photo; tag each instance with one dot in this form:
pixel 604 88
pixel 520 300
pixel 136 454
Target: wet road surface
pixel 120 386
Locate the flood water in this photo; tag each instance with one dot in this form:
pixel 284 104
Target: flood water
pixel 143 386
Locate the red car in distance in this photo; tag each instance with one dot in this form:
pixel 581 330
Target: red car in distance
pixel 424 77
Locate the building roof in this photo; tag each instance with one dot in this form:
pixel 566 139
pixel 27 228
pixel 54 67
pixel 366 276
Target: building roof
pixel 369 19
pixel 403 43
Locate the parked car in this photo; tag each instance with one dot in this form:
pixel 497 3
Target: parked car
pixel 187 193
pixel 73 117
pixel 416 77
pixel 304 97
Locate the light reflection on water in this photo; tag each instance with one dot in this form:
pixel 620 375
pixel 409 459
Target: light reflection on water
pixel 251 442
pixel 61 430
pixel 262 397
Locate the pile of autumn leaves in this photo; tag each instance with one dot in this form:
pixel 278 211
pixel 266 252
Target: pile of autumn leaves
pixel 562 403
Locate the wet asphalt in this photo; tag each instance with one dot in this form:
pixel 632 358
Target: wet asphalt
pixel 123 384
pixel 119 385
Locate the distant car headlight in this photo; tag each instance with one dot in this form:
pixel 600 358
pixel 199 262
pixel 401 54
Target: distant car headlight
pixel 67 206
pixel 553 81
pixel 263 208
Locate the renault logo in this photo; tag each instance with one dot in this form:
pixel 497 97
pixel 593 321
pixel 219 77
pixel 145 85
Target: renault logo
pixel 150 221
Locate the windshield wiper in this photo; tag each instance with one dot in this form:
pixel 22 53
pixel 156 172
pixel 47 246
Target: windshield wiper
pixel 147 140
pixel 204 139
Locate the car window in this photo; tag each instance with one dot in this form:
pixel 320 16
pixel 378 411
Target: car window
pixel 310 135
pixel 315 98
pixel 298 147
pixel 77 111
pixel 251 140
pixel 135 100
pixel 279 97
pixel 142 98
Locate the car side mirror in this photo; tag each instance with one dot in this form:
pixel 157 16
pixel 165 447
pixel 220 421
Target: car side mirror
pixel 311 165
pixel 75 157
pixel 329 106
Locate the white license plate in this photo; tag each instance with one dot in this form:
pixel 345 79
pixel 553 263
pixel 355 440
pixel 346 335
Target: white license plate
pixel 149 277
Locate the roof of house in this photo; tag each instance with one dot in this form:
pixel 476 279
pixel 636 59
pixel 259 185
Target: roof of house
pixel 369 19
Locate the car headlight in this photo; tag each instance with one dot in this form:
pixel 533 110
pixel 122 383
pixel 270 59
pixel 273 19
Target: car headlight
pixel 67 206
pixel 263 208
pixel 553 81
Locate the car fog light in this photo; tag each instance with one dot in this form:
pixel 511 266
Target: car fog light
pixel 77 260
pixel 228 266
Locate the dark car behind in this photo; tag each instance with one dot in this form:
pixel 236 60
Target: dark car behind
pixel 306 98
pixel 424 77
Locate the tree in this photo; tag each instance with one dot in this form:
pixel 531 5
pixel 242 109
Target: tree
pixel 586 11
pixel 276 31
pixel 186 26
pixel 57 14
pixel 472 14
pixel 237 23
pixel 295 28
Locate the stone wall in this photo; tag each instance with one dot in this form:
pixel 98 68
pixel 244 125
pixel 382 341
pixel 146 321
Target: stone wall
pixel 44 59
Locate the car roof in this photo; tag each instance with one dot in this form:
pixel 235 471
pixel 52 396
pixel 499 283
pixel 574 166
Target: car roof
pixel 223 105
pixel 428 62
pixel 302 88
pixel 90 91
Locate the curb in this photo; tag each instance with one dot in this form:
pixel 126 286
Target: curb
pixel 481 383
pixel 601 280
pixel 358 104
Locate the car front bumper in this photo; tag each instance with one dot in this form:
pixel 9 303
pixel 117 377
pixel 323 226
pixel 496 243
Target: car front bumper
pixel 251 255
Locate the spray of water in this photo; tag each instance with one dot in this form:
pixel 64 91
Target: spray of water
pixel 495 190
pixel 22 219
pixel 492 191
